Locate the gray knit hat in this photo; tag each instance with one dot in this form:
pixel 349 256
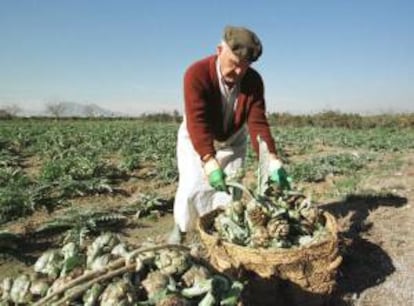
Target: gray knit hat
pixel 243 42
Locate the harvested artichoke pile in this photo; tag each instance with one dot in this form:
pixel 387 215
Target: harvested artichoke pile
pixel 108 273
pixel 283 220
pixel 270 218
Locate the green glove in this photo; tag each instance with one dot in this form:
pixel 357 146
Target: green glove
pixel 216 180
pixel 279 175
pixel 216 176
pixel 281 178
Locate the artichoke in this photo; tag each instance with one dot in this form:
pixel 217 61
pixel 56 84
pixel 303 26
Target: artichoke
pixel 311 214
pixel 171 262
pixel 50 263
pixel 6 286
pixel 154 283
pixel 39 287
pixel 230 230
pixel 195 274
pixel 120 292
pixel 120 250
pixel 173 300
pixel 73 258
pixel 256 216
pixel 101 245
pixel 20 291
pixel 60 283
pixel 259 237
pixel 101 262
pixel 278 228
pixel 91 296
pixel 147 258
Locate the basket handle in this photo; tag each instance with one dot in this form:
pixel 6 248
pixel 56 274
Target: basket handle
pixel 335 264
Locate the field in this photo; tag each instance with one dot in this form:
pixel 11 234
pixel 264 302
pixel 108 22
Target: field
pixel 64 180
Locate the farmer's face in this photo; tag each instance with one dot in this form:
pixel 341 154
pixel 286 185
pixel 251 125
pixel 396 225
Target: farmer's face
pixel 231 67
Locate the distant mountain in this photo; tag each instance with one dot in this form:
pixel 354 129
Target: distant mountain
pixel 73 109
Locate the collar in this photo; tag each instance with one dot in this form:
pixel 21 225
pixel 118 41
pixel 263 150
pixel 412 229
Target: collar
pixel 224 88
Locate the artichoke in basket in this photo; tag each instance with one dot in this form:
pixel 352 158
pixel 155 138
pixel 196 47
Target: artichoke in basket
pixel 311 214
pixel 231 230
pixel 236 211
pixel 276 220
pixel 256 215
pixel 278 228
pixel 259 237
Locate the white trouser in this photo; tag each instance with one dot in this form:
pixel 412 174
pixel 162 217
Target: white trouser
pixel 194 195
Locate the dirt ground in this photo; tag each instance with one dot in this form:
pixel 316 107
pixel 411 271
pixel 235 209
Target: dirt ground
pixel 378 263
pixel 377 240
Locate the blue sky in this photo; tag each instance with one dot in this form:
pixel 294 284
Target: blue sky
pixel 130 56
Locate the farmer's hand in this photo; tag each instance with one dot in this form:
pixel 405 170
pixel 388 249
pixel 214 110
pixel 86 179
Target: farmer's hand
pixel 278 174
pixel 215 175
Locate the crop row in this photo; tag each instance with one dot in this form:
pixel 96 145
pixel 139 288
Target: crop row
pixel 44 163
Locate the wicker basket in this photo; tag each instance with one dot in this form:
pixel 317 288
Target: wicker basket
pixel 312 267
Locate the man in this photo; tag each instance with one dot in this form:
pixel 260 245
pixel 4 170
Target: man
pixel 224 101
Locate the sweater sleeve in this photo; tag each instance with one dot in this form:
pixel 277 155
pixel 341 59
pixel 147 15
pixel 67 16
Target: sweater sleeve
pixel 257 120
pixel 196 113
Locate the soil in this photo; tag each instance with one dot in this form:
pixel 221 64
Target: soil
pixel 377 242
pixel 379 255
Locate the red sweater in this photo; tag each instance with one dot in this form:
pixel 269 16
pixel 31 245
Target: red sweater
pixel 203 107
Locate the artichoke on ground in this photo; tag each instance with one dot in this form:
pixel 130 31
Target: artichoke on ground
pixel 39 287
pixel 154 283
pixel 101 245
pixel 91 296
pixel 172 262
pixel 119 292
pixel 50 263
pixel 195 274
pixel 20 291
